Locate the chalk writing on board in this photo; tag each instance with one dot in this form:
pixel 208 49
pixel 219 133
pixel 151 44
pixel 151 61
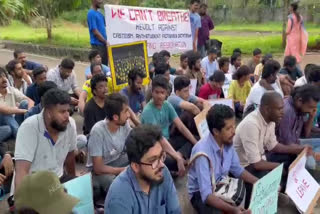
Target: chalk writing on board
pixel 126 58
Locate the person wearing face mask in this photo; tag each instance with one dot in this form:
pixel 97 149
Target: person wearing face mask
pixel 47 141
pixel 145 186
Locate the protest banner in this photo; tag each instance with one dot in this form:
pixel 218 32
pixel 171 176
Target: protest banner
pixel 81 188
pixel 302 188
pixel 123 58
pixel 163 29
pixel 264 198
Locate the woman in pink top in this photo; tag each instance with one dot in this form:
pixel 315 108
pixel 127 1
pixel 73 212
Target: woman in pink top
pixel 297 36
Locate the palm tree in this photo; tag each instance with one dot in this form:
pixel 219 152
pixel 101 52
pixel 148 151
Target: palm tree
pixel 8 9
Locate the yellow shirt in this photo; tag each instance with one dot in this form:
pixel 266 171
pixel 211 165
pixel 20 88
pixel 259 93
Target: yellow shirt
pixel 258 70
pixel 237 93
pixel 87 88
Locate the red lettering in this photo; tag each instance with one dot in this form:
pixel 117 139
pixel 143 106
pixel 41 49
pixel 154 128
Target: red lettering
pixel 118 13
pixel 305 183
pixel 150 14
pixel 113 13
pixel 130 17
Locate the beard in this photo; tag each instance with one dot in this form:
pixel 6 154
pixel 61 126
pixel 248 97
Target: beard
pixel 55 125
pixel 152 181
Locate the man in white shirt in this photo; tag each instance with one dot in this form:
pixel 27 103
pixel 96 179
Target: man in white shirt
pixel 210 63
pixel 311 75
pixel 46 141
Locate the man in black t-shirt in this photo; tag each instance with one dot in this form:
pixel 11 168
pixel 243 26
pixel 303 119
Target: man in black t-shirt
pixel 94 109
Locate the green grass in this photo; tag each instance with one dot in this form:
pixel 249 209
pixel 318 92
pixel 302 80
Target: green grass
pixel 76 35
pixel 268 44
pixel 269 26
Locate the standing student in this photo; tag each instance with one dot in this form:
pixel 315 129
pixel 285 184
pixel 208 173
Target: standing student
pixel 297 37
pixel 213 89
pixel 97 30
pixel 195 21
pixel 210 63
pixel 204 32
pixel 240 88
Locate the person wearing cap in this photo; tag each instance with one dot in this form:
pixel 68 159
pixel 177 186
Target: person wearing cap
pixel 210 63
pixel 48 196
pixel 47 141
pixel 146 185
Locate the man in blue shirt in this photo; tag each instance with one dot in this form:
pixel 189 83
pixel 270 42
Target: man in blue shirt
pixel 146 185
pixel 97 30
pixel 217 145
pixel 39 76
pixel 195 21
pixel 26 64
pixel 95 58
pixel 133 91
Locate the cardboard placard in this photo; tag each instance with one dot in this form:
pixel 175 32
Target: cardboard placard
pixel 264 198
pixel 123 58
pixel 81 188
pixel 302 188
pixel 201 123
pixel 227 102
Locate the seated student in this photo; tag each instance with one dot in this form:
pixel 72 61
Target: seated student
pixel 39 75
pixel 160 112
pixel 182 70
pixel 65 78
pixel 252 63
pixel 181 100
pixel 212 89
pixel 94 110
pixel 194 71
pixel 240 88
pixel 290 68
pixel 299 111
pixel 210 63
pixel 86 93
pixel 162 68
pixel 267 82
pixel 10 115
pixel 255 135
pixel 217 145
pixel 48 195
pixel 29 66
pixel 95 58
pixel 235 63
pixel 134 90
pixel 47 141
pixel 237 51
pixel 224 64
pixel 152 64
pixel 42 89
pixel 146 185
pixel 18 78
pixel 107 143
pixel 259 67
pixel 167 55
pixel 6 170
pixel 304 79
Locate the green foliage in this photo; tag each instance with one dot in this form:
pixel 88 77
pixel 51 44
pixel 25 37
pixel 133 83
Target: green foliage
pixel 79 16
pixel 155 4
pixel 130 2
pixel 8 9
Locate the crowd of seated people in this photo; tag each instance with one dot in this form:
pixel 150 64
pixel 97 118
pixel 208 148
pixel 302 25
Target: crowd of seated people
pixel 139 139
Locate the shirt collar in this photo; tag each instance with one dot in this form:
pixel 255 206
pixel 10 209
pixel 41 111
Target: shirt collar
pixel 133 179
pixel 261 118
pixel 213 144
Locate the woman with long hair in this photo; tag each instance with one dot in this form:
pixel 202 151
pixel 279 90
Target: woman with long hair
pixel 297 36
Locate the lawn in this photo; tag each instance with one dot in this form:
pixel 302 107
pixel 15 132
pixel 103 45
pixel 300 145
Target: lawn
pixel 76 35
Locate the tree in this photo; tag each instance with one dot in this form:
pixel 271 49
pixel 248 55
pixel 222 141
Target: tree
pixel 8 9
pixel 50 9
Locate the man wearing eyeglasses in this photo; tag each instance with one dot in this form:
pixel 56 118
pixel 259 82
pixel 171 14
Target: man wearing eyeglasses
pixel 146 185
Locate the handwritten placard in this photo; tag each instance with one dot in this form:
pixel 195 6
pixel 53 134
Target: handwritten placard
pixel 164 29
pixel 125 57
pixel 81 188
pixel 264 198
pixel 201 123
pixel 302 188
pixel 226 85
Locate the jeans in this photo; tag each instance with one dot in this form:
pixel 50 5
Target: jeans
pixel 13 121
pixel 315 144
pixel 5 133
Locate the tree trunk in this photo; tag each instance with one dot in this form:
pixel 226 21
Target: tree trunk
pixel 284 21
pixel 49 29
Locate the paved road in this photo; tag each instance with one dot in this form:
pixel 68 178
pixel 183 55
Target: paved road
pixel 6 55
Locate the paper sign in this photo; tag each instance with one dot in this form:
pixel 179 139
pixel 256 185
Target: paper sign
pixel 201 123
pixel 81 188
pixel 163 29
pixel 226 86
pixel 193 86
pixel 227 102
pixel 302 188
pixel 264 198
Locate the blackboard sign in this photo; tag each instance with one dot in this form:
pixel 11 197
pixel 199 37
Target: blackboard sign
pixel 125 57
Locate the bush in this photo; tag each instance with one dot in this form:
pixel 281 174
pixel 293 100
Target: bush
pixel 79 16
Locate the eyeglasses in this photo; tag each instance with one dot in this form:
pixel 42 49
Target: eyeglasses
pixel 155 164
